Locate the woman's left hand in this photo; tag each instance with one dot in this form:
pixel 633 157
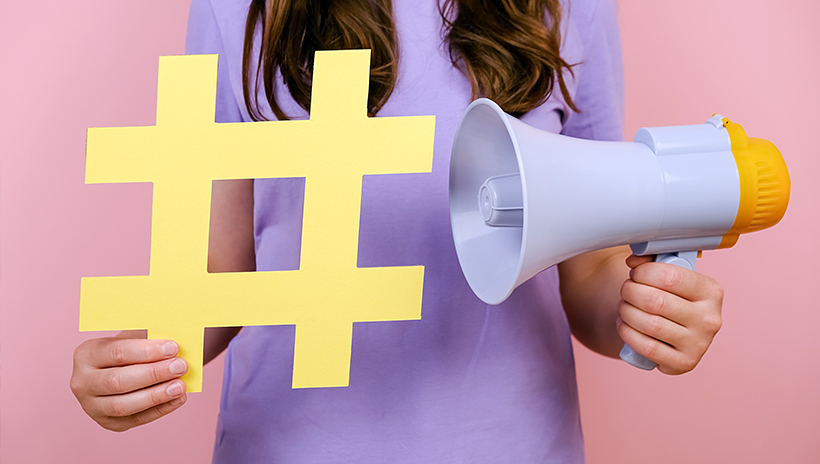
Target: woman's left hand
pixel 669 314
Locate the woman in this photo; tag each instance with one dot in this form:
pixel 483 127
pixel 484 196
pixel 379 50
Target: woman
pixel 468 382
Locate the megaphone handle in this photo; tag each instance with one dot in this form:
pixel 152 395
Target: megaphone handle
pixel 684 259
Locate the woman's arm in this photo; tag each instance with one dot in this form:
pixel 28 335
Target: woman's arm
pixel 230 246
pixel 666 313
pixel 590 291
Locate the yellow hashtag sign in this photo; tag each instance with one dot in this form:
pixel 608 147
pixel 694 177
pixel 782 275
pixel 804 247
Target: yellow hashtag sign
pixel 187 150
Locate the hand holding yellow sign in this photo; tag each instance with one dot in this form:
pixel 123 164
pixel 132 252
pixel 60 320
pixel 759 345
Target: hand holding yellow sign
pixel 187 150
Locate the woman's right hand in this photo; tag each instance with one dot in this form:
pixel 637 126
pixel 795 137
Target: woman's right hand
pixel 123 382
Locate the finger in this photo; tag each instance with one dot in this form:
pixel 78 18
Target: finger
pixel 118 380
pixel 121 424
pixel 669 360
pixel 687 284
pixel 634 261
pixel 654 326
pixel 140 400
pixel 152 414
pixel 658 302
pixel 113 352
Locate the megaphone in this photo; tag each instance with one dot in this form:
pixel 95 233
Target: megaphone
pixel 522 199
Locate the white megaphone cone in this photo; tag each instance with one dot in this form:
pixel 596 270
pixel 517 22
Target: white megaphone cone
pixel 522 200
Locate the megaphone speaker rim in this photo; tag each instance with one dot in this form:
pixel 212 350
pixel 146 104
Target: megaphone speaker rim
pixel 497 287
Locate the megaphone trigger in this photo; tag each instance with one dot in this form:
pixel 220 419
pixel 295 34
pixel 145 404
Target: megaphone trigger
pixel 685 259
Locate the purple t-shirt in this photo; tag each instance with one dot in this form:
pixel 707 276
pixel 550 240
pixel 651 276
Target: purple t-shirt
pixel 468 382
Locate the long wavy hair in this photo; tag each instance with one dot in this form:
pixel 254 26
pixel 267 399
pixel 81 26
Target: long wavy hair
pixel 507 49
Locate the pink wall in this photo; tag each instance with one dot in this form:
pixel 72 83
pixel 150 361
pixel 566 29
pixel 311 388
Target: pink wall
pixel 73 65
pixel 754 397
pixel 66 67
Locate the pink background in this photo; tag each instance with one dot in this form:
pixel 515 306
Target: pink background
pixel 67 66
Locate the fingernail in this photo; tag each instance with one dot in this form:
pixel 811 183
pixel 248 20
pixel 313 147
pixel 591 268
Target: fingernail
pixel 169 348
pixel 177 366
pixel 177 401
pixel 174 390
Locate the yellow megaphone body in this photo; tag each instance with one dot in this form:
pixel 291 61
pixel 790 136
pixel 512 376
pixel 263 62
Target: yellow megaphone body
pixel 522 200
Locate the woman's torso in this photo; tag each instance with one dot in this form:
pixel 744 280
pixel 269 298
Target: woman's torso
pixel 468 382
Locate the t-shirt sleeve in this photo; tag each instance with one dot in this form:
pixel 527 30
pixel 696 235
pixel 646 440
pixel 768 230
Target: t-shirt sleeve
pixel 205 37
pixel 600 77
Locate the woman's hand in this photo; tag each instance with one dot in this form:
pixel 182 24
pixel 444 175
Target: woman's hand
pixel 126 381
pixel 669 314
pixel 123 382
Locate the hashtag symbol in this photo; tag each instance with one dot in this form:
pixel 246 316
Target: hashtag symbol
pixel 186 150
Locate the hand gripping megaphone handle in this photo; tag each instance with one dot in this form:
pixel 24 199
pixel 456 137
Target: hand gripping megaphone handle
pixel 685 259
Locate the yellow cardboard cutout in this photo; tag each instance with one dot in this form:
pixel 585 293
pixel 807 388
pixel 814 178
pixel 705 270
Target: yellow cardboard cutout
pixel 187 150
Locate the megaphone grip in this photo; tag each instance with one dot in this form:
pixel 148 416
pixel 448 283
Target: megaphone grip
pixel 685 259
pixel 634 359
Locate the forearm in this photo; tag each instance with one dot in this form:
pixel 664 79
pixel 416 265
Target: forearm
pixel 590 291
pixel 230 247
pixel 216 340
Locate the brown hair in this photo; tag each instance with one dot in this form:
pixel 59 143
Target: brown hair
pixel 508 49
